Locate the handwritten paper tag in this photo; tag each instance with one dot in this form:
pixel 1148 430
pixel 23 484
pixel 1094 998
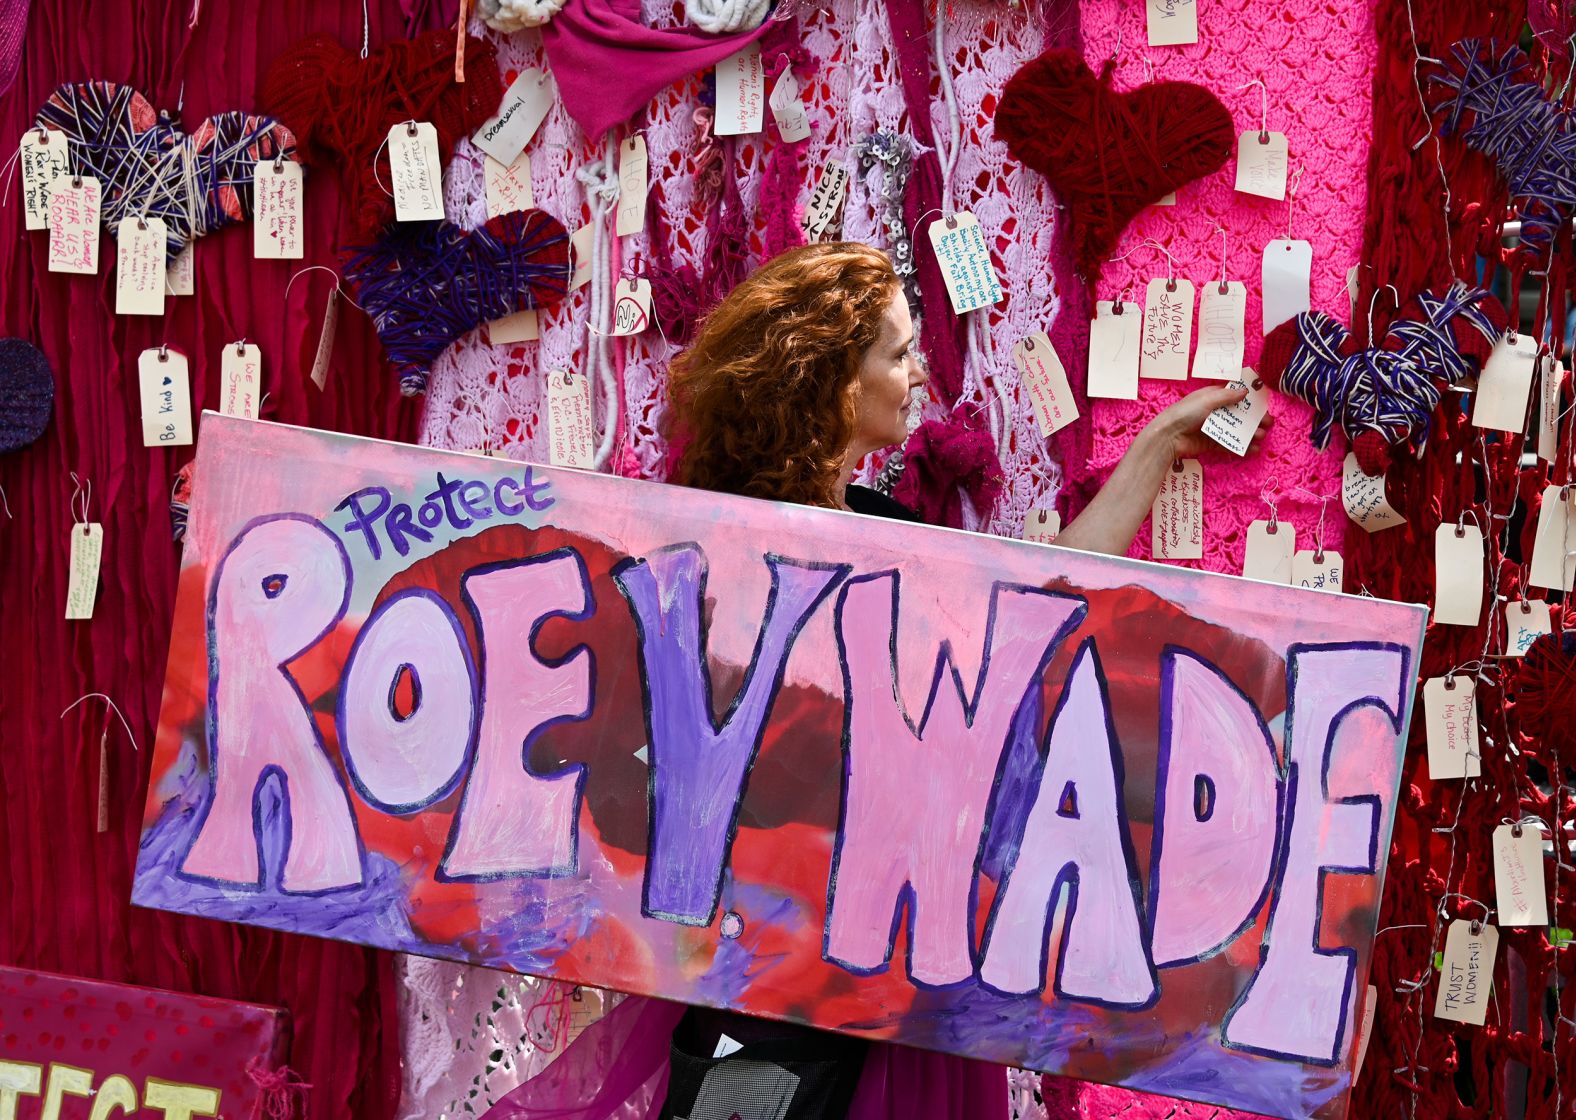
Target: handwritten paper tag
pixel 140 253
pixel 522 326
pixel 1520 898
pixel 164 383
pixel 43 156
pixel 1505 384
pixel 1318 570
pixel 571 441
pixel 1114 342
pixel 325 339
pixel 505 134
pixel 74 225
pixel 631 307
pixel 1288 265
pixel 1040 370
pixel 1466 976
pixel 1554 547
pixel 965 262
pixel 1269 551
pixel 631 186
pixel 1366 1031
pixel 1221 334
pixel 1261 164
pixel 1041 525
pixel 1178 513
pixel 1526 620
pixel 1363 496
pixel 793 124
pixel 508 185
pixel 582 245
pixel 1549 410
pixel 180 278
pixel 87 548
pixel 278 231
pixel 1172 23
pixel 1450 711
pixel 1168 329
pixel 831 187
pixel 741 93
pixel 1233 426
pixel 1458 574
pixel 240 379
pixel 417 172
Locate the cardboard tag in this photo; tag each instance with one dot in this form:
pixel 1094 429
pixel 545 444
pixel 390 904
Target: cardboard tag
pixel 1221 332
pixel 1526 620
pixel 1172 22
pixel 631 307
pixel 1233 426
pixel 1500 401
pixel 325 340
pixel 1363 496
pixel 965 262
pixel 1450 710
pixel 508 185
pixel 582 246
pixel 1466 975
pixel 278 224
pixel 1554 548
pixel 1549 409
pixel 831 187
pixel 74 206
pixel 1366 1031
pixel 1269 551
pixel 140 253
pixel 572 440
pixel 240 380
pixel 1351 290
pixel 1288 265
pixel 793 123
pixel 1178 513
pixel 631 186
pixel 726 1046
pixel 87 548
pixel 1114 342
pixel 180 278
pixel 1167 199
pixel 505 134
pixel 1320 571
pixel 522 326
pixel 1041 525
pixel 43 155
pixel 1041 373
pixel 741 93
pixel 1261 164
pixel 1458 574
pixel 1168 329
pixel 1520 897
pixel 416 171
pixel 164 383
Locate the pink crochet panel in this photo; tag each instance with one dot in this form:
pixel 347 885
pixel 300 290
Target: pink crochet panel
pixel 1317 62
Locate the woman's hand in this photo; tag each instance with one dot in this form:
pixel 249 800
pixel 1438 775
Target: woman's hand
pixel 1180 427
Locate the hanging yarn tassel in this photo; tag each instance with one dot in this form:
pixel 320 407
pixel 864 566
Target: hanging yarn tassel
pixel 1543 692
pixel 779 194
pixel 27 393
pixel 942 456
pixel 277 1090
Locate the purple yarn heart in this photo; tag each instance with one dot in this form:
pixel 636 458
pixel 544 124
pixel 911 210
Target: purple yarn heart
pixel 27 393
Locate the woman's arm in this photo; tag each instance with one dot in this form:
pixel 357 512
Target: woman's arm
pixel 1112 517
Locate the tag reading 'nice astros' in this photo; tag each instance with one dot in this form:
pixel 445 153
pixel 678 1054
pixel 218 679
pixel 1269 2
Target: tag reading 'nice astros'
pixel 43 157
pixel 571 442
pixel 140 253
pixel 416 171
pixel 1172 23
pixel 1041 372
pixel 74 225
pixel 965 262
pixel 1168 329
pixel 1177 526
pixel 277 227
pixel 1450 712
pixel 1466 973
pixel 741 93
pixel 831 187
pixel 1221 336
pixel 1114 341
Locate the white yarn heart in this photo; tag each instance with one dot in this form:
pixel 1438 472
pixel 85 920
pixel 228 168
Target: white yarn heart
pixel 516 15
pixel 726 16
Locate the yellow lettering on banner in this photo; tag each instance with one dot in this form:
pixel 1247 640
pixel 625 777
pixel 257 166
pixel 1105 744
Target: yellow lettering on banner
pixel 178 1101
pixel 18 1079
pixel 64 1081
pixel 116 1092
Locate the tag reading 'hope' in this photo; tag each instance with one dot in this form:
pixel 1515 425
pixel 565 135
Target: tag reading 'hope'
pixel 240 378
pixel 43 156
pixel 741 93
pixel 1458 574
pixel 74 225
pixel 1261 164
pixel 165 388
pixel 140 249
pixel 1526 620
pixel 1316 569
pixel 631 307
pixel 180 278
pixel 522 326
pixel 1466 976
pixel 525 103
pixel 1041 525
pixel 1114 342
pixel 1168 329
pixel 1549 410
pixel 965 262
pixel 277 232
pixel 1172 23
pixel 1450 709
pixel 1233 426
pixel 87 548
pixel 582 245
pixel 416 171
pixel 631 186
pixel 1520 899
pixel 1288 265
pixel 1177 526
pixel 1363 496
pixel 1505 384
pixel 1040 370
pixel 831 187
pixel 571 441
pixel 508 185
pixel 1221 335
pixel 1269 551
pixel 793 124
pixel 1554 548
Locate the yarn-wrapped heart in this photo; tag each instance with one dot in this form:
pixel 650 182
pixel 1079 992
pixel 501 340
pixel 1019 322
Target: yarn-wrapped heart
pixel 427 283
pixel 1543 690
pixel 27 393
pixel 1107 155
pixel 147 167
pixel 342 106
pixel 1384 397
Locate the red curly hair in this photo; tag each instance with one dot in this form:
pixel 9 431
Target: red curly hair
pixel 763 402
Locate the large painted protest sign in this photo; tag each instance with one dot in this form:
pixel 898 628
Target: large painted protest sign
pixel 1081 814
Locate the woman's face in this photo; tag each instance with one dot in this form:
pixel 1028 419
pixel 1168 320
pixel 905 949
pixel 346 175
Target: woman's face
pixel 888 376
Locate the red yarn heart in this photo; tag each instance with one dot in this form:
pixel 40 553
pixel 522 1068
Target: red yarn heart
pixel 1107 154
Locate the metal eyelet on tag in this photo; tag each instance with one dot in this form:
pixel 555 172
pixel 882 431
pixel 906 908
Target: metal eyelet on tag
pixel 76 182
pixel 410 128
pixel 142 223
pixel 1318 558
pixel 1171 285
pixel 164 352
pixel 279 164
pixel 1476 927
pixel 1515 830
pixel 1264 136
pixel 1450 683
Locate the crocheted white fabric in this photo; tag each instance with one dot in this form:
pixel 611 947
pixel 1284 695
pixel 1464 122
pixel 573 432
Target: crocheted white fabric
pixel 509 16
pixel 725 16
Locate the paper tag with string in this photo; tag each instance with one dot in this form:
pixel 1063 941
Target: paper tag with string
pixel 1554 548
pixel 1366 1031
pixel 522 326
pixel 1549 409
pixel 1526 620
pixel 325 339
pixel 1177 516
pixel 1234 425
pixel 279 220
pixel 741 93
pixel 164 384
pixel 1503 387
pixel 1364 498
pixel 180 278
pixel 505 134
pixel 140 254
pixel 417 172
pixel 1172 23
pixel 240 380
pixel 631 306
pixel 74 207
pixel 831 187
pixel 1261 164
pixel 508 185
pixel 1168 329
pixel 1115 339
pixel 87 548
pixel 793 124
pixel 1040 370
pixel 1269 551
pixel 1221 333
pixel 1458 574
pixel 1466 975
pixel 44 156
pixel 1450 714
pixel 582 246
pixel 1520 897
pixel 572 441
pixel 1041 525
pixel 1286 278
pixel 965 262
pixel 1319 569
pixel 632 186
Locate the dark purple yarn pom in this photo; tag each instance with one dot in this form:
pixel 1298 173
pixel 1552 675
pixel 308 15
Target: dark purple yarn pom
pixel 27 393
